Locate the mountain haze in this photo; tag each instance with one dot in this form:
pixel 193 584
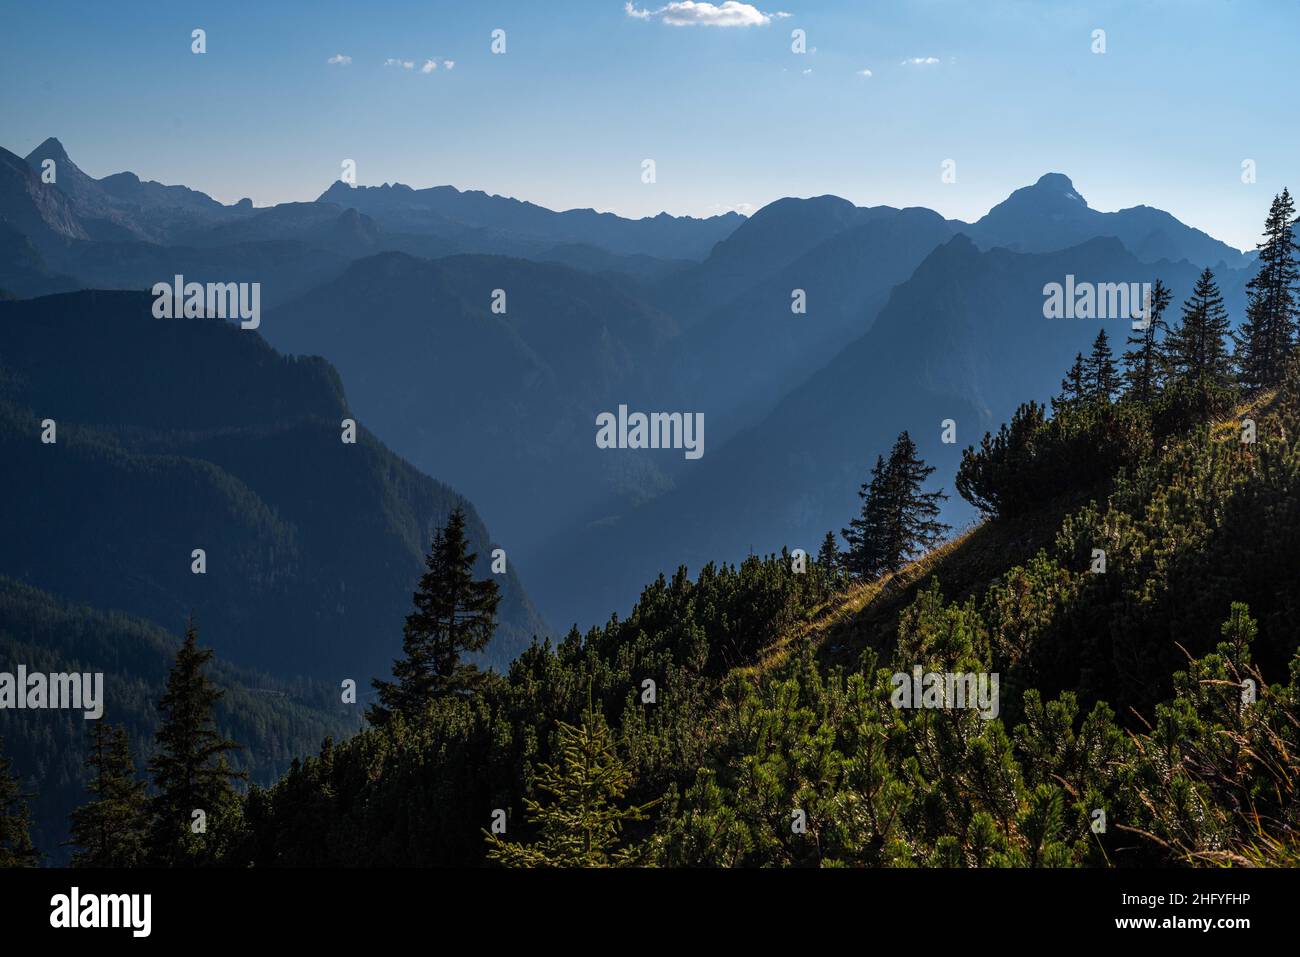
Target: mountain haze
pixel 181 434
pixel 963 338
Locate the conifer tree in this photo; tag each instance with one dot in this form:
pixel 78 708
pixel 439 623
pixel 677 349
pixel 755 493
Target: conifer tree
pixel 189 767
pixel 1143 366
pixel 829 568
pixel 581 825
pixel 828 556
pixel 16 848
pixel 897 519
pixel 1073 387
pixel 866 534
pixel 1268 334
pixel 914 513
pixel 111 829
pixel 1197 347
pixel 1100 381
pixel 454 614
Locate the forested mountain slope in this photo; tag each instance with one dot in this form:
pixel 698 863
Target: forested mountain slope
pixel 1123 693
pixel 176 435
pixel 274 721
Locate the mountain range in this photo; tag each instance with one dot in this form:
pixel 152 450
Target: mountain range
pixel 474 339
pixel 963 338
pixel 479 336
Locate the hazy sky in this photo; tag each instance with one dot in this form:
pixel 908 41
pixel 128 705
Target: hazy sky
pixel 732 117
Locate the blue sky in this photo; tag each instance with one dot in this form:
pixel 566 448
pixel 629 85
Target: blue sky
pixel 732 117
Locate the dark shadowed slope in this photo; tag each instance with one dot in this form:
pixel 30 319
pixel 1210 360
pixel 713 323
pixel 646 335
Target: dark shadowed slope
pixel 181 434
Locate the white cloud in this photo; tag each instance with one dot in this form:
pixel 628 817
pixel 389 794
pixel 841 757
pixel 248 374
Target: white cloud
pixel 920 61
pixel 430 64
pixel 864 73
pixel 718 209
pixel 689 13
pixel 341 59
pixel 807 71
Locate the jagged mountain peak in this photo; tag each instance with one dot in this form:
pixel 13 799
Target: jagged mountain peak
pixel 50 149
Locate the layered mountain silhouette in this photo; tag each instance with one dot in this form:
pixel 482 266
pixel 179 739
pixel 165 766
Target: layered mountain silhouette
pixel 773 238
pixel 738 359
pixel 120 233
pixel 908 318
pixel 175 435
pixel 743 348
pixel 324 225
pixel 1051 215
pixel 964 338
pixel 124 233
pixel 503 402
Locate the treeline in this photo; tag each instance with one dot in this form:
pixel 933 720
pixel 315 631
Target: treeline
pixel 276 720
pixel 1173 377
pixel 190 814
pixel 1108 418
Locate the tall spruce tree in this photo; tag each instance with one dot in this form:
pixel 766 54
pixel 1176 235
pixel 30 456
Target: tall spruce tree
pixel 1074 386
pixel 828 556
pixel 454 614
pixel 898 520
pixel 1143 366
pixel 1197 349
pixel 16 848
pixel 189 768
pixel 581 825
pixel 1268 334
pixel 110 830
pixel 866 534
pixel 1100 381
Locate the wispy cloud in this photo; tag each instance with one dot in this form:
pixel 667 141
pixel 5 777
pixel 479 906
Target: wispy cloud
pixel 864 73
pixel 340 59
pixel 920 61
pixel 688 13
pixel 719 209
pixel 430 64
